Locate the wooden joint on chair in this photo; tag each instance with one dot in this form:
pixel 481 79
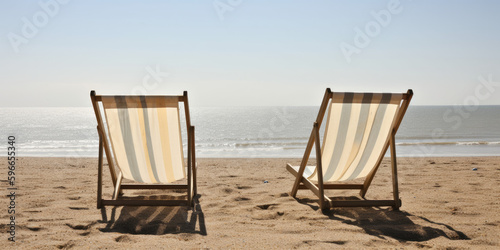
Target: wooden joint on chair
pixel 409 95
pixel 118 184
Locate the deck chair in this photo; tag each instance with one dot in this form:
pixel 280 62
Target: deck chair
pixel 141 137
pixel 359 129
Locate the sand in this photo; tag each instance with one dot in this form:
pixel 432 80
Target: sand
pixel 445 205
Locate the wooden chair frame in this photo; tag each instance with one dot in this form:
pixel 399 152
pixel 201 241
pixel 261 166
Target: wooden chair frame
pixel 318 189
pixel 104 145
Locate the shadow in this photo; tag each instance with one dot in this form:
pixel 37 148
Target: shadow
pixel 309 202
pixel 156 220
pixel 386 222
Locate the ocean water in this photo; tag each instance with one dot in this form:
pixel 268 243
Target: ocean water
pixel 257 131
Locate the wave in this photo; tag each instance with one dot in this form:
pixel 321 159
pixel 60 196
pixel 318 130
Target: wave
pixel 236 139
pixel 458 143
pixel 265 144
pixel 234 144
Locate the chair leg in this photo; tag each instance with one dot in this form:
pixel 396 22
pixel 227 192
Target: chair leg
pixel 394 166
pixel 116 193
pixel 313 187
pixel 99 174
pixel 323 203
pixel 310 143
pixel 191 191
pixel 189 170
pixel 321 196
pixel 319 167
pixel 195 186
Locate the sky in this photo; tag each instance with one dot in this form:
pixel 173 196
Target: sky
pixel 248 53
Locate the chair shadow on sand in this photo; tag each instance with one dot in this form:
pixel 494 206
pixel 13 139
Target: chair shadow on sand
pixel 386 222
pixel 156 220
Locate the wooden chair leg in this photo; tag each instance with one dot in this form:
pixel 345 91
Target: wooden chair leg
pixel 99 173
pixel 117 191
pixel 395 191
pixel 195 186
pixel 310 143
pixel 190 168
pixel 319 166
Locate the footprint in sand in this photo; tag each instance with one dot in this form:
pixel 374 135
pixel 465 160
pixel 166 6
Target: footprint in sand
pixel 266 206
pixel 79 208
pixel 81 227
pixel 241 199
pixel 85 234
pixel 33 211
pixel 314 242
pixel 66 245
pixel 123 238
pixel 229 176
pixel 34 228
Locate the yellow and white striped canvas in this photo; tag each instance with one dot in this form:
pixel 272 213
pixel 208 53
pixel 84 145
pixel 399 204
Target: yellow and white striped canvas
pixel 145 137
pixel 357 129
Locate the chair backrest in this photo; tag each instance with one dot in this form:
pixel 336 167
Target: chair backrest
pixel 357 133
pixel 145 137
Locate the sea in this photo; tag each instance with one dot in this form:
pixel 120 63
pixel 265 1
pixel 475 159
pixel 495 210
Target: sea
pixel 256 132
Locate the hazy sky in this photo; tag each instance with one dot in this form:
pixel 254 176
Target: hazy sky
pixel 242 52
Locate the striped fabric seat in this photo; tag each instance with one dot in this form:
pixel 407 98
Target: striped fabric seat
pixel 140 136
pixel 356 133
pixel 359 129
pixel 145 137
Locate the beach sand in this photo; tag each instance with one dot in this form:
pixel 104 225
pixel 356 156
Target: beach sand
pixel 445 205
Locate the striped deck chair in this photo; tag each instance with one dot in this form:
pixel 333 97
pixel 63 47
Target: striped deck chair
pixel 359 129
pixel 141 137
